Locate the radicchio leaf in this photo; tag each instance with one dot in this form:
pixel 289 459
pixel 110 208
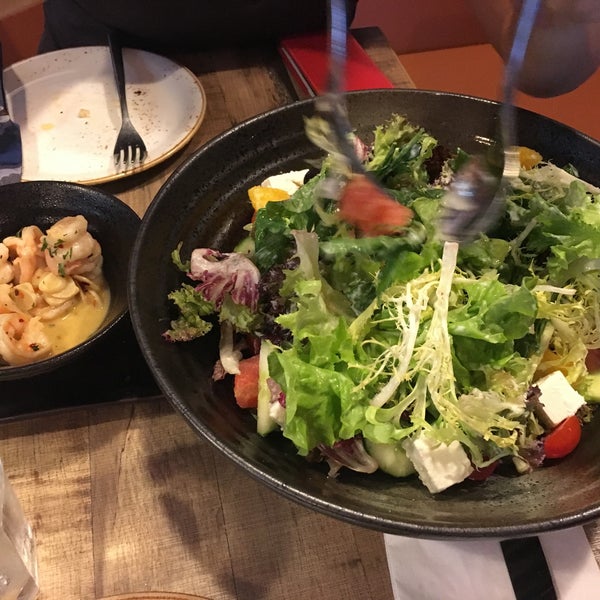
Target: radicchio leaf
pixel 348 453
pixel 225 273
pixel 272 304
pixel 533 454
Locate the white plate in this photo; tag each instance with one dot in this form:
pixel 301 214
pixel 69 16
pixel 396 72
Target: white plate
pixel 67 106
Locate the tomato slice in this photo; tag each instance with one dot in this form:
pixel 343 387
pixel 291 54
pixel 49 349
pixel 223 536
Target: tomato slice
pixel 370 210
pixel 563 439
pixel 245 383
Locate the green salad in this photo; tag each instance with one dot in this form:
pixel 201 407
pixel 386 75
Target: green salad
pixel 400 352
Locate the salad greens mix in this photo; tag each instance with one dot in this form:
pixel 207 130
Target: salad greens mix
pixel 399 351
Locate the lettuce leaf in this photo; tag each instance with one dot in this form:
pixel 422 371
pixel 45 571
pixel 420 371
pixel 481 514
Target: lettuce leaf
pixel 192 308
pixel 399 153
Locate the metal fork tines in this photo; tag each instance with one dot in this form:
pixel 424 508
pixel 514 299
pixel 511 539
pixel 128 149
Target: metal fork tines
pixel 476 198
pixel 330 129
pixel 130 149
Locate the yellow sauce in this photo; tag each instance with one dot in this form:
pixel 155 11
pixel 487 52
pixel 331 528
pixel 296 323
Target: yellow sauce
pixel 79 323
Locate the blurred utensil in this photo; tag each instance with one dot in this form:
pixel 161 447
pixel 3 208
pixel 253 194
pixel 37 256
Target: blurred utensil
pixel 477 196
pixel 331 130
pixel 331 104
pixel 130 149
pixel 348 181
pixel 11 152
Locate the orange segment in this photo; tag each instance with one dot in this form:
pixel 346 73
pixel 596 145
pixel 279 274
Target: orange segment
pixel 260 196
pixel 528 158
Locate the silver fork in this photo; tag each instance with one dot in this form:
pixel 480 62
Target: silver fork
pixel 477 196
pixel 130 149
pixel 331 130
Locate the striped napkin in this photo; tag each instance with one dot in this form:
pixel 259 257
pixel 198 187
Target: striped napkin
pixel 555 565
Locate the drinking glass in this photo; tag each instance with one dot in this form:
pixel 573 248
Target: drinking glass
pixel 18 564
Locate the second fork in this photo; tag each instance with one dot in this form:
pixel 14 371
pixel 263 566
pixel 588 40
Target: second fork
pixel 130 149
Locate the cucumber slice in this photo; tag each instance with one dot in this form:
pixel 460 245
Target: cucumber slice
pixel 264 421
pixel 590 388
pixel 246 246
pixel 391 458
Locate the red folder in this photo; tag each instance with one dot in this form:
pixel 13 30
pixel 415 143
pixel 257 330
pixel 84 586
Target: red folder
pixel 306 58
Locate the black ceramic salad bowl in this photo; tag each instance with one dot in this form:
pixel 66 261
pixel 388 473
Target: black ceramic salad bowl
pixel 204 204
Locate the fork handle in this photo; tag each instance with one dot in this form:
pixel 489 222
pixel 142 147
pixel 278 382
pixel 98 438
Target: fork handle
pixel 525 23
pixel 116 54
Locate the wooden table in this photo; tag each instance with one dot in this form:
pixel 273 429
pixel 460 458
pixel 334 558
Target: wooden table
pixel 124 497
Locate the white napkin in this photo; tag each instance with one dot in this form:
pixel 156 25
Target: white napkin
pixel 468 569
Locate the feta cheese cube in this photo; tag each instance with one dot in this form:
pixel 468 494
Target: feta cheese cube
pixel 277 412
pixel 438 465
pixel 289 182
pixel 558 399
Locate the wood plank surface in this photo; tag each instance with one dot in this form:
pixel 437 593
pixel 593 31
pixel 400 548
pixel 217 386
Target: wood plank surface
pixel 125 497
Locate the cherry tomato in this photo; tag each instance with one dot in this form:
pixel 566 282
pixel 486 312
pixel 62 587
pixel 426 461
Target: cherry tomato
pixel 563 439
pixel 365 206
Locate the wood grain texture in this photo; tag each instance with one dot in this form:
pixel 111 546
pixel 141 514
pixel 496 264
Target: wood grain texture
pixel 125 498
pixel 155 596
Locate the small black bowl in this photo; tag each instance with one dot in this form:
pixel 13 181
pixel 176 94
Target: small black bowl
pixel 205 204
pixel 110 221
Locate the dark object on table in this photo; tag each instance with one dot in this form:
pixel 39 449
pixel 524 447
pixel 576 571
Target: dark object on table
pixel 11 152
pixel 528 570
pixel 180 25
pixel 115 371
pixel 208 208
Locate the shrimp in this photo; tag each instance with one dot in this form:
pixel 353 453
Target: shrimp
pixel 26 249
pixel 24 296
pixel 7 302
pixel 22 339
pixel 59 294
pixel 17 298
pixel 43 278
pixel 7 271
pixel 70 249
